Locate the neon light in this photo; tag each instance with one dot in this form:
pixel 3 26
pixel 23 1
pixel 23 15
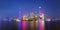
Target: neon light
pixel 41 25
pixel 24 23
pixel 41 21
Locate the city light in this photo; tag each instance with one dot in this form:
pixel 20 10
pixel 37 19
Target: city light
pixel 29 14
pixel 48 19
pixel 41 21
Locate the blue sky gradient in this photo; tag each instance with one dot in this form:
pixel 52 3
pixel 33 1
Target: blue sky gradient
pixel 9 8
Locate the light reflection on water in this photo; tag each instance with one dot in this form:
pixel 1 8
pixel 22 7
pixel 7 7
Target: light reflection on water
pixel 9 25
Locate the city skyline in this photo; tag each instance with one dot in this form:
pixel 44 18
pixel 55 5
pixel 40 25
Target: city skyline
pixel 9 8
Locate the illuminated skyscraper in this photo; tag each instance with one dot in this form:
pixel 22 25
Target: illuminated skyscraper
pixel 32 16
pixel 24 17
pixel 41 19
pixel 41 15
pixel 19 19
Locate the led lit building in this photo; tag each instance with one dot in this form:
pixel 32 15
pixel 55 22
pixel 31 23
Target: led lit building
pixel 41 15
pixel 24 18
pixel 32 16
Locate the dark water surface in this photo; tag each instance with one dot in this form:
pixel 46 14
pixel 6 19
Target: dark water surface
pixel 12 25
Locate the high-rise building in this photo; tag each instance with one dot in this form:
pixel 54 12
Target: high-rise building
pixel 24 18
pixel 41 15
pixel 32 15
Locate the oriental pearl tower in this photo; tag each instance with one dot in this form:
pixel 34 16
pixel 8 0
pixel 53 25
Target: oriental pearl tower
pixel 41 19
